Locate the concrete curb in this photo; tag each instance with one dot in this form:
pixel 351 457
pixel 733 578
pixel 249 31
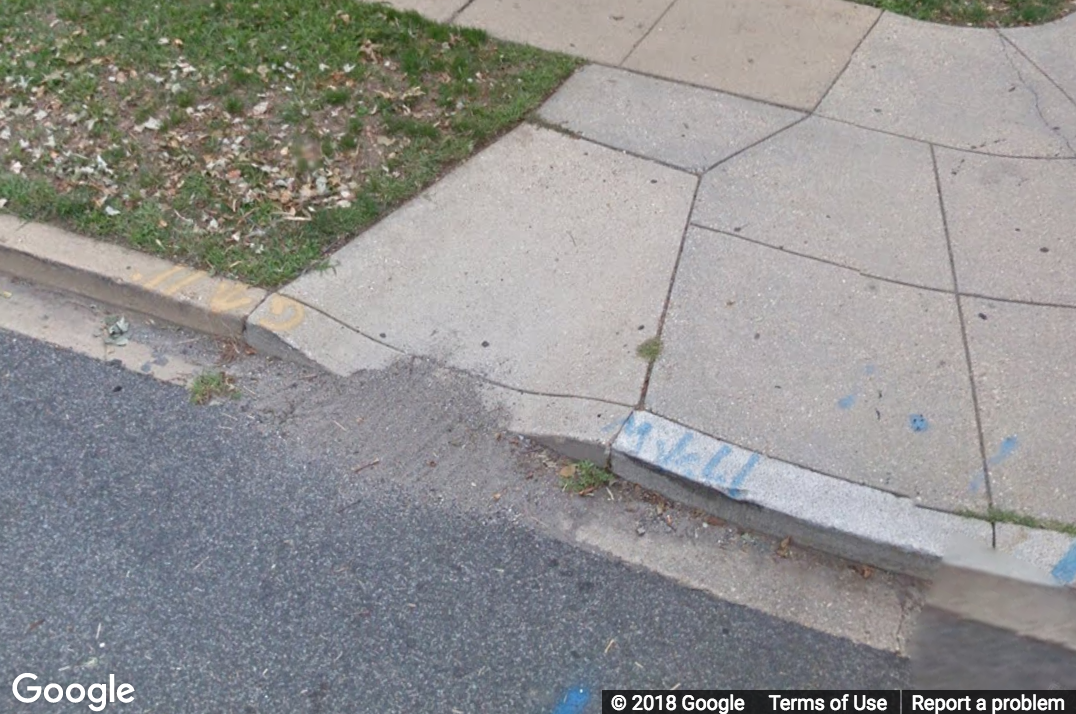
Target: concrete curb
pixel 851 520
pixel 743 487
pixel 991 621
pixel 126 278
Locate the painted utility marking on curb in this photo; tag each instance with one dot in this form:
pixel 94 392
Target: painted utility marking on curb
pixel 1065 570
pixel 574 701
pixel 918 423
pixel 230 295
pixel 290 313
pixel 191 279
pixel 156 280
pixel 687 453
pixel 614 425
pixel 1008 446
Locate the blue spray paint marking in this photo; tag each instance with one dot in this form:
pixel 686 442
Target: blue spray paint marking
pixel 1065 570
pixel 738 479
pixel 869 370
pixel 714 462
pixel 678 457
pixel 640 431
pixel 614 425
pixel 573 702
pixel 918 423
pixel 846 402
pixel 1008 446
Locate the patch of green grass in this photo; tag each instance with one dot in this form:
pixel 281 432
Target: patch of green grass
pixel 649 349
pixel 999 515
pixel 584 478
pixel 304 61
pixel 337 97
pixel 213 385
pixel 981 13
pixel 234 105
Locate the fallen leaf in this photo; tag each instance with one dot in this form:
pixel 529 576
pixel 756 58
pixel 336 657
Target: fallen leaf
pixel 260 108
pixel 784 546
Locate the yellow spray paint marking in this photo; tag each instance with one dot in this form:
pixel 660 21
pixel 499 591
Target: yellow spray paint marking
pixel 292 311
pixel 179 285
pixel 230 296
pixel 154 282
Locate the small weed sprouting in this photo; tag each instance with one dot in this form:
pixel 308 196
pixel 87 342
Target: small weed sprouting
pixel 583 478
pixel 649 349
pixel 213 385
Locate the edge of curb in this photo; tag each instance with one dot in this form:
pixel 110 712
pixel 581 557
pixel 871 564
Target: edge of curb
pixel 746 488
pixel 126 278
pixel 850 520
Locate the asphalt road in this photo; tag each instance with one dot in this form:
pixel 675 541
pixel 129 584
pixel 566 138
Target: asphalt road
pixel 219 566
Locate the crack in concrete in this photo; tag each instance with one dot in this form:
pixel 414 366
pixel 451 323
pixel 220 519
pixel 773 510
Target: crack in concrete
pixel 1034 93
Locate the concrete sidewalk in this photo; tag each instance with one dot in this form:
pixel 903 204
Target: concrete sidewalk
pixel 858 257
pixel 851 232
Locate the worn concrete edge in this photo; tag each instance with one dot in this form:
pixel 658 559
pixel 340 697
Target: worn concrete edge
pixel 575 427
pixel 125 278
pixel 751 490
pixel 999 590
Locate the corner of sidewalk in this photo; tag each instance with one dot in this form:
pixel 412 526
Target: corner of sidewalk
pixel 743 487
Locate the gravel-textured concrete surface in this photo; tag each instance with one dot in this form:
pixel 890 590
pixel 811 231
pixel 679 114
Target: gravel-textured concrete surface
pixel 1051 47
pixel 1010 221
pixel 600 31
pixel 839 193
pixel 217 563
pixel 1026 383
pixel 631 111
pixel 540 264
pixel 820 366
pixel 780 52
pixel 962 87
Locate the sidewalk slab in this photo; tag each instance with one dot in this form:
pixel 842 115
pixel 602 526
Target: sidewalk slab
pixel 747 488
pixel 125 278
pixel 820 366
pixel 779 51
pixel 1049 551
pixel 540 264
pixel 437 10
pixel 603 31
pixel 632 112
pixel 1052 48
pixel 924 81
pixel 1011 224
pixel 287 329
pixel 839 193
pixel 579 429
pixel 1026 381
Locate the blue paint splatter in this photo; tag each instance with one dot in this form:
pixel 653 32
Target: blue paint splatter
pixel 678 457
pixel 1065 570
pixel 613 425
pixel 846 402
pixel 573 702
pixel 715 460
pixel 869 370
pixel 1008 445
pixel 918 423
pixel 640 431
pixel 738 479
